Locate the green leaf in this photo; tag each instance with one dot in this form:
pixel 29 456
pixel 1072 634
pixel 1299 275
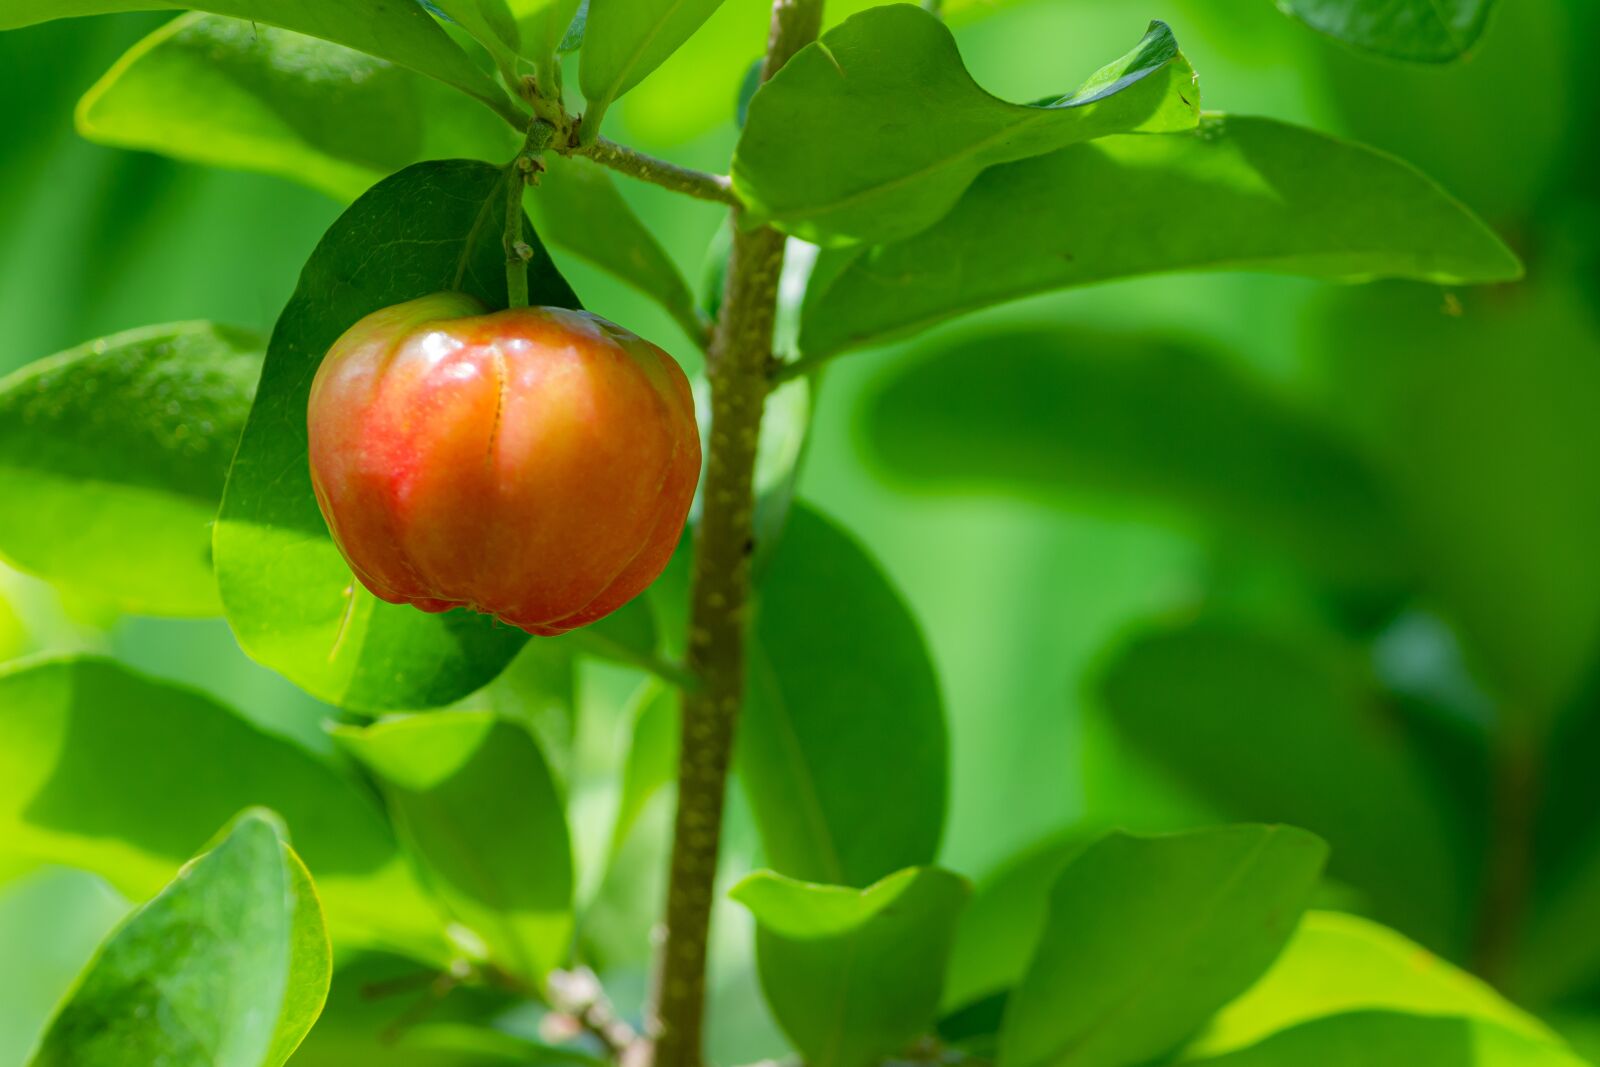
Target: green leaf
pixel 228 966
pixel 842 748
pixel 543 26
pixel 1058 412
pixel 919 129
pixel 231 93
pixel 1340 963
pixel 1148 936
pixel 291 599
pixel 473 797
pixel 397 30
pixel 1237 194
pixel 1362 1039
pixel 577 206
pixel 489 22
pixel 228 93
pixel 1427 31
pixel 624 40
pixel 113 456
pixel 1277 726
pixel 51 922
pixel 853 975
pixel 995 938
pixel 1493 462
pixel 125 776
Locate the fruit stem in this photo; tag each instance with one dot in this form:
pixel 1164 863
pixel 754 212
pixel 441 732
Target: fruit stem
pixel 737 366
pixel 522 170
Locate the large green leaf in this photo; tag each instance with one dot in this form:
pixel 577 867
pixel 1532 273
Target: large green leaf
pixel 227 967
pixel 1363 1039
pixel 231 93
pixel 1237 193
pixel 1340 963
pixel 291 599
pixel 624 40
pixel 1274 726
pixel 1059 412
pixel 842 748
pixel 920 129
pixel 125 776
pixel 400 31
pixel 853 975
pixel 113 456
pixel 473 796
pixel 1149 936
pixel 1429 31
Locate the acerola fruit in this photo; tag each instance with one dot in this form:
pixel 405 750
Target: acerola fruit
pixel 535 464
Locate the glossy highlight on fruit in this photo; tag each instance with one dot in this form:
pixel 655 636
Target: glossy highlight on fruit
pixel 535 464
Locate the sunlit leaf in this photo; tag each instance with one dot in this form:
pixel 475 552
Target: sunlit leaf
pixel 853 975
pixel 113 456
pixel 90 777
pixel 1148 936
pixel 1237 193
pixel 473 797
pixel 1361 1039
pixel 624 40
pixel 290 597
pixel 228 965
pixel 397 30
pixel 920 129
pixel 231 93
pixel 842 747
pixel 1339 963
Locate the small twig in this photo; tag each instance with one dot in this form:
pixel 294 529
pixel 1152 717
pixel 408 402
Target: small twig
pixel 577 996
pixel 696 183
pixel 519 173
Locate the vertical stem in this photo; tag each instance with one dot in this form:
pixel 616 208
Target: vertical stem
pixel 741 349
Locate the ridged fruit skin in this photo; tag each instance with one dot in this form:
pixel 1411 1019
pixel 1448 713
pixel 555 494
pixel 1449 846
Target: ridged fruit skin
pixel 535 464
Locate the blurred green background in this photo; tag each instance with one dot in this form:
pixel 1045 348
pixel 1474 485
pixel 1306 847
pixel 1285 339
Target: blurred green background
pixel 1036 564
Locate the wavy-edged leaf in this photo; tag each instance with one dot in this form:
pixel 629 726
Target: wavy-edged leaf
pixel 230 93
pixel 842 749
pixel 1426 31
pixel 1275 726
pixel 1237 193
pixel 290 597
pixel 125 776
pixel 1148 936
pixel 853 975
pixel 624 40
pixel 400 31
pixel 919 129
pixel 113 455
pixel 1061 413
pixel 473 797
pixel 1362 1039
pixel 1338 963
pixel 229 965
